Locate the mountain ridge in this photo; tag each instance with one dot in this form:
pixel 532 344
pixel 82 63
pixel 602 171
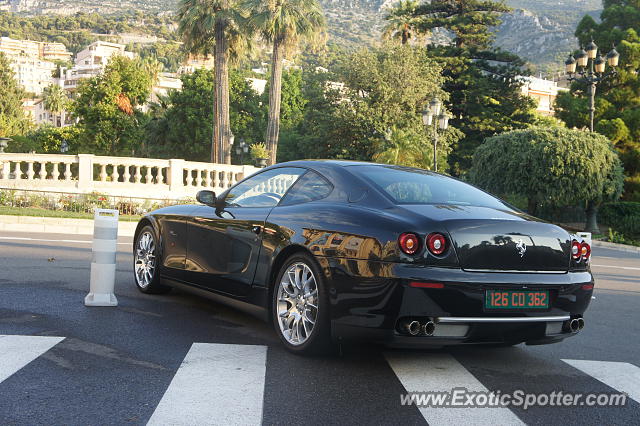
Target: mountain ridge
pixel 541 31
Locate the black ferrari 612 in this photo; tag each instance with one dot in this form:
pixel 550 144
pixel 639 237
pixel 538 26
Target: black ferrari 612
pixel 333 250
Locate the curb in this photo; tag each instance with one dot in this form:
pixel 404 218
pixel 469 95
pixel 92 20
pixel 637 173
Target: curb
pixel 57 225
pixel 621 247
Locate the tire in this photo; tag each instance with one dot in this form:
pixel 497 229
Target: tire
pixel 300 312
pixel 145 262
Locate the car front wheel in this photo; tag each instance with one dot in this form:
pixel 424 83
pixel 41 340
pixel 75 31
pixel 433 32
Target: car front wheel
pixel 145 263
pixel 300 307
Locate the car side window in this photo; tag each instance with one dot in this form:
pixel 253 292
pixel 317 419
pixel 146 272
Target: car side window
pixel 310 187
pixel 264 189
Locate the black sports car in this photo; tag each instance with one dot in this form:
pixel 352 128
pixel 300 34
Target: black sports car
pixel 331 250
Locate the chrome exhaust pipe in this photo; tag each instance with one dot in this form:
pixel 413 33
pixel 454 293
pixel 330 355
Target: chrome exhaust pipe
pixel 412 327
pixel 428 328
pixel 574 325
pixel 580 323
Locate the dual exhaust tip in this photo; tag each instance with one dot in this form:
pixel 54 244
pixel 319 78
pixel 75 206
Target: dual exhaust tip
pixel 428 327
pixel 414 327
pixel 575 325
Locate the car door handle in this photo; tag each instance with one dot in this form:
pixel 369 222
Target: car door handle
pixel 257 229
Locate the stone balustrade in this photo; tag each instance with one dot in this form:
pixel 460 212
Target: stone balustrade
pixel 121 176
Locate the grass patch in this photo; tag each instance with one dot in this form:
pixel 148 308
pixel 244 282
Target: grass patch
pixel 39 212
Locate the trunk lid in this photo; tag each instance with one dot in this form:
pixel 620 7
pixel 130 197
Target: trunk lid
pixel 510 245
pixel 487 239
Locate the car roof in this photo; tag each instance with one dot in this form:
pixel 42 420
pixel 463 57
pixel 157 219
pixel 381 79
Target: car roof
pixel 337 163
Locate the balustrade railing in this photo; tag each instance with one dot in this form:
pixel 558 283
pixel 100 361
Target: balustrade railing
pixel 85 173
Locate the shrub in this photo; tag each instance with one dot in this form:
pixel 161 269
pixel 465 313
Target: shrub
pixel 550 166
pixel 259 150
pixel 623 217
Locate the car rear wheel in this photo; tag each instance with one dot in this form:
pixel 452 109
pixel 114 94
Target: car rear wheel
pixel 300 307
pixel 145 263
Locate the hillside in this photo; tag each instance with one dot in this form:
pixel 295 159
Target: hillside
pixel 539 30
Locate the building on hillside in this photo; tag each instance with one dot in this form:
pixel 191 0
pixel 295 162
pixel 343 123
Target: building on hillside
pixel 43 117
pixel 166 82
pixel 91 62
pixel 98 53
pixel 196 62
pixel 34 49
pixel 56 51
pixel 29 108
pixel 40 116
pixel 257 84
pixel 23 5
pixel 33 74
pixel 70 78
pixel 544 92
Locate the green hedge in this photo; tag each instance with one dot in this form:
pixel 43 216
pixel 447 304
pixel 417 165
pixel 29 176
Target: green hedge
pixel 623 217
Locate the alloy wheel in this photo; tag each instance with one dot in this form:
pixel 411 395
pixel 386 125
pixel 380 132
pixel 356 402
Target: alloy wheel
pixel 297 303
pixel 145 260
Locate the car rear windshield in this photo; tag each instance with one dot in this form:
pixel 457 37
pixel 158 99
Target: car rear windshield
pixel 414 186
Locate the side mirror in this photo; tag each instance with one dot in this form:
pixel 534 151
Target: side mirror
pixel 208 198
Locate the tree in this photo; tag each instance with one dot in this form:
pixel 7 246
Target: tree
pixel 618 99
pixel 48 140
pixel 469 20
pixel 369 108
pixel 408 147
pixel 283 23
pixel 482 82
pixel 180 127
pixel 13 120
pixel 213 25
pixel 292 99
pixel 56 101
pixel 553 166
pixel 107 108
pixel 401 22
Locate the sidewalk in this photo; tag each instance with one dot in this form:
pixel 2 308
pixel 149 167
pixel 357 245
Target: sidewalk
pixel 56 225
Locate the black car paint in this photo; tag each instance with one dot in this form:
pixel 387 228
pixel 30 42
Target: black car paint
pixel 353 234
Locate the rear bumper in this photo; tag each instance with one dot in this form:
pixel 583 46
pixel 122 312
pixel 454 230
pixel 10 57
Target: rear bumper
pixel 370 300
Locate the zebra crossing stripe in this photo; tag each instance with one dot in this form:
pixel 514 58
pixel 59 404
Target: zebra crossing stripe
pixel 621 376
pixel 216 384
pixel 18 351
pixel 442 372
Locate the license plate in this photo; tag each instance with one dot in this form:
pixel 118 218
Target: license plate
pixel 516 299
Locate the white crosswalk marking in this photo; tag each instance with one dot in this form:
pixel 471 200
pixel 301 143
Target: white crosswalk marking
pixel 441 372
pixel 18 351
pixel 216 384
pixel 621 376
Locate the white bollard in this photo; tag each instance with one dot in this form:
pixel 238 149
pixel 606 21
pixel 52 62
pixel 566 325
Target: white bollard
pixel 586 236
pixel 103 265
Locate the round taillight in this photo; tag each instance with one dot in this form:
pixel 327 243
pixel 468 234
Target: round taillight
pixel 409 243
pixel 585 251
pixel 437 243
pixel 576 250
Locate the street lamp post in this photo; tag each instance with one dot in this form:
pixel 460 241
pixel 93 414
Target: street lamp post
pixel 242 149
pixel 434 115
pixel 591 71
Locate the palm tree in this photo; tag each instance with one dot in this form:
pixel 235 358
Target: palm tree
pixel 213 25
pixel 56 101
pixel 283 23
pixel 401 21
